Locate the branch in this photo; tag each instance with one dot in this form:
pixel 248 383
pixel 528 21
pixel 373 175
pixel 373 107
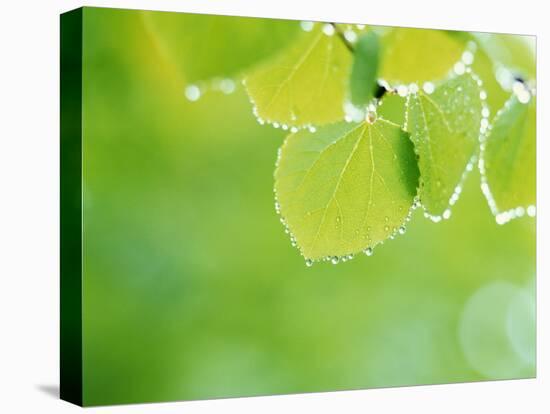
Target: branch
pixel 342 37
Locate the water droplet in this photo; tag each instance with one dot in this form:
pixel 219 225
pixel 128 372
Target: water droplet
pixel 335 260
pixel 386 228
pixel 312 128
pixel 402 230
pixel 227 86
pixel 524 96
pixel 502 218
pixel 428 87
pixel 468 57
pixel 531 211
pixel 350 36
pixel 309 262
pixel 307 26
pixel 447 214
pixel 483 95
pixel 328 29
pixel 520 211
pixel 368 251
pixel 402 90
pixel 192 93
pixel 485 112
pixel 293 130
pixel 459 68
pixel 371 117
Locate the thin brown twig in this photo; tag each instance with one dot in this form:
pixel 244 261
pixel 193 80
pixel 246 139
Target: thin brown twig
pixel 341 35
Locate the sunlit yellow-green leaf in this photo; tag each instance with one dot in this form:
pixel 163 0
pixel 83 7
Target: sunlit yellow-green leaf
pixel 207 46
pixel 305 84
pixel 444 127
pixel 346 187
pixel 418 55
pixel 509 157
pixel 393 108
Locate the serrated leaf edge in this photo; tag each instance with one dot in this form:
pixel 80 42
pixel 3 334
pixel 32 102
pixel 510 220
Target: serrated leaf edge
pixel 412 89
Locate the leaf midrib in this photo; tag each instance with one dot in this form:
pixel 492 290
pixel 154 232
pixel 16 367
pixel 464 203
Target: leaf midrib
pixel 337 186
pixel 300 62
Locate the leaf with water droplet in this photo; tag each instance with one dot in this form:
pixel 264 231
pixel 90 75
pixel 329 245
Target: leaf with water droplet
pixel 202 47
pixel 509 157
pixel 445 134
pixel 364 69
pixel 418 55
pixel 349 177
pixel 305 84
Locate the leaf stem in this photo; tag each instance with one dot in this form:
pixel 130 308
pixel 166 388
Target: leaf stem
pixel 342 37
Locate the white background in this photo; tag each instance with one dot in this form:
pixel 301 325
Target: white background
pixel 29 194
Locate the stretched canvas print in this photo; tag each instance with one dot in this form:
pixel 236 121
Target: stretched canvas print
pixel 253 206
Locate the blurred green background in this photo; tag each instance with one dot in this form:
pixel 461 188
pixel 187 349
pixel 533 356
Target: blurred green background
pixel 192 289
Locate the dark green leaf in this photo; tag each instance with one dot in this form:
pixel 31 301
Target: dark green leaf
pixel 364 70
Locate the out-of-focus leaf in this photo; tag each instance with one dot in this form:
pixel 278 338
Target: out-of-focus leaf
pixel 207 46
pixel 515 52
pixel 364 70
pixel 418 55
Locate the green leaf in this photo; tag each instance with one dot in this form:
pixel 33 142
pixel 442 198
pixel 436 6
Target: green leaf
pixel 346 187
pixel 418 55
pixel 392 108
pixel 497 59
pixel 364 70
pixel 515 52
pixel 508 160
pixel 208 46
pixel 306 84
pixel 444 127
